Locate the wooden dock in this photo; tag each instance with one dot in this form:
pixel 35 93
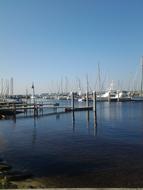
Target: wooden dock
pixel 12 109
pixel 78 109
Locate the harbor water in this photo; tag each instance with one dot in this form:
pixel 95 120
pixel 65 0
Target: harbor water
pixel 84 151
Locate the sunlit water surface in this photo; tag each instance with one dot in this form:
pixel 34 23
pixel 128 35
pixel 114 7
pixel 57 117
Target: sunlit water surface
pixel 58 145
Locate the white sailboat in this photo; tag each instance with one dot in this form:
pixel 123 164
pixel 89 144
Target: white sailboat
pixel 140 96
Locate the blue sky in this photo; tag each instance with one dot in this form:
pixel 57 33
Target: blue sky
pixel 46 40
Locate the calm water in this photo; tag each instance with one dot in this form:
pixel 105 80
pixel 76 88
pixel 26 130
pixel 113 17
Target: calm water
pixel 57 145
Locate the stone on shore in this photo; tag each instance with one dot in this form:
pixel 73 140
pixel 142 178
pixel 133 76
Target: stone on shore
pixel 4 167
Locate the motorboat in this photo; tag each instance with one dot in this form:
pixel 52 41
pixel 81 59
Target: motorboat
pixel 123 96
pixel 110 95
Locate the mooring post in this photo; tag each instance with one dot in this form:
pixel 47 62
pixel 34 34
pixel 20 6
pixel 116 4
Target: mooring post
pixel 72 107
pixel 72 101
pixel 94 101
pixel 14 111
pixel 94 111
pixel 87 100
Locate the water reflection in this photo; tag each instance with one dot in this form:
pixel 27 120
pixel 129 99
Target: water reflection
pixel 88 122
pixel 14 125
pixel 95 123
pixel 34 136
pixel 57 116
pixel 87 118
pixel 14 118
pixel 109 150
pixel 41 109
pixel 111 110
pixel 73 121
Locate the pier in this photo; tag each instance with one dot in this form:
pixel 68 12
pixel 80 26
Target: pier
pixel 12 109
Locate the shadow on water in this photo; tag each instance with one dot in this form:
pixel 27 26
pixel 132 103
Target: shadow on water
pixel 34 136
pixel 73 121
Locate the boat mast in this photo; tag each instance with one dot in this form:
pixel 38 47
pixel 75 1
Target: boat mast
pixel 142 75
pixel 1 87
pixel 99 81
pixel 79 86
pixel 87 83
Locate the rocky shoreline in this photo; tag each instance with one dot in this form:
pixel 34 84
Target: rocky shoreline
pixel 114 178
pixel 9 176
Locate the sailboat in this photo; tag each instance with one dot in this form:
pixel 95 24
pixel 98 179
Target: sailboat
pixel 140 96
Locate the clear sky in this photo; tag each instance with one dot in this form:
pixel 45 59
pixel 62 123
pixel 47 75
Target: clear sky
pixel 42 41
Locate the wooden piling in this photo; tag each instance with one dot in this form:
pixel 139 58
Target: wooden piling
pixel 94 112
pixel 94 101
pixel 72 101
pixel 14 111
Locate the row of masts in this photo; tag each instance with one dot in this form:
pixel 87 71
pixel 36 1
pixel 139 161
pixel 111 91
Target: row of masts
pixel 81 85
pixel 6 87
pixel 142 75
pixel 65 86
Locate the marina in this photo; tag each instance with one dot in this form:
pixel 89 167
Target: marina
pixel 71 94
pixel 70 137
pixel 9 106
